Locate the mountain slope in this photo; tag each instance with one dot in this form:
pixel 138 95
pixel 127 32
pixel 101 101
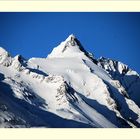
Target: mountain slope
pixel 128 78
pixel 69 88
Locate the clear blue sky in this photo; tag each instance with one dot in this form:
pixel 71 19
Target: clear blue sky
pixel 112 35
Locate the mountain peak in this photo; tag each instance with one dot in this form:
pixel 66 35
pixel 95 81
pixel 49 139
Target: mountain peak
pixel 71 47
pixel 66 48
pixel 71 41
pixel 71 36
pixel 5 57
pixel 3 51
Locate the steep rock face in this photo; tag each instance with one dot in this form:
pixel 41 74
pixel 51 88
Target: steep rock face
pixel 69 88
pixel 127 78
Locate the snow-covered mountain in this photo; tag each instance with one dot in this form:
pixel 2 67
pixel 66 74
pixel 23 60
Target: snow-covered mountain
pixel 69 88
